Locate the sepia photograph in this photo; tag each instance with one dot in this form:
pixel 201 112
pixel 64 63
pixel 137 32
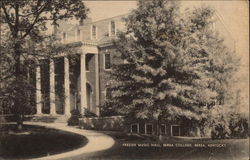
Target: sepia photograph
pixel 124 80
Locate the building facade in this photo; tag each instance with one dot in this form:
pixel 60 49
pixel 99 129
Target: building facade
pixel 80 80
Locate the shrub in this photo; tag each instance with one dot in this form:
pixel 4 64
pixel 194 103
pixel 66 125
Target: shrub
pixel 2 119
pixel 74 119
pixel 220 131
pixel 238 126
pixel 231 125
pixel 88 113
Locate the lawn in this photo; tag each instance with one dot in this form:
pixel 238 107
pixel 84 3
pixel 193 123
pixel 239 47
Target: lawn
pixel 36 141
pixel 135 147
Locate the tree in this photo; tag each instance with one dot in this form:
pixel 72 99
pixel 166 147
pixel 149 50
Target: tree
pixel 26 39
pixel 174 64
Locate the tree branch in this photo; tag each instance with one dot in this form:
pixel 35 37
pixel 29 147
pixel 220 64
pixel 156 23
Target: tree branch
pixel 15 32
pixel 33 13
pixel 7 17
pixel 35 20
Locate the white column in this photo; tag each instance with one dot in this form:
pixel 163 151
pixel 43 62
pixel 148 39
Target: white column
pixel 83 84
pixel 66 87
pixel 52 87
pixel 97 90
pixel 38 91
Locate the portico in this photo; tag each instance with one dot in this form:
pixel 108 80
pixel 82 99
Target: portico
pixel 83 88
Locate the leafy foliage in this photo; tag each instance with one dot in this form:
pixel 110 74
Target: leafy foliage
pixel 26 40
pixel 227 123
pixel 175 66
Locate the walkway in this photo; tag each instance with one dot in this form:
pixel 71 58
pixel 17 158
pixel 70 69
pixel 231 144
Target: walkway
pixel 97 141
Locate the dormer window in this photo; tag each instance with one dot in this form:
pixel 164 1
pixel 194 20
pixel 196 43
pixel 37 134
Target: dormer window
pixel 112 28
pixel 94 32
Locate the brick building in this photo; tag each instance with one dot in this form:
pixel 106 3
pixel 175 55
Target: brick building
pixel 79 80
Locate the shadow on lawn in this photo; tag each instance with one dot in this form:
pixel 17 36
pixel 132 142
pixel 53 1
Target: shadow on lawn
pixel 38 142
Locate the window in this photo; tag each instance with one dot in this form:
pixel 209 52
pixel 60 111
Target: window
pixel 64 36
pixel 112 28
pixel 163 129
pixel 148 128
pixel 175 130
pixel 134 128
pixel 107 61
pixel 108 93
pixel 78 34
pixel 94 32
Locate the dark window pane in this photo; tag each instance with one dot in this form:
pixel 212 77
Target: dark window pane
pixel 134 128
pixel 107 61
pixel 149 129
pixel 175 130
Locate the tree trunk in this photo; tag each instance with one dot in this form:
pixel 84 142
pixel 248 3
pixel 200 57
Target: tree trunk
pixel 18 89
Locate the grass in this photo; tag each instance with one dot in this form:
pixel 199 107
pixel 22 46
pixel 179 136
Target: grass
pixel 36 141
pixel 124 149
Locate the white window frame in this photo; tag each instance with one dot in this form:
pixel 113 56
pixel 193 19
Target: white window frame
pixel 104 61
pixel 110 28
pixel 171 129
pixel 165 128
pixel 137 127
pixel 146 128
pixel 91 35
